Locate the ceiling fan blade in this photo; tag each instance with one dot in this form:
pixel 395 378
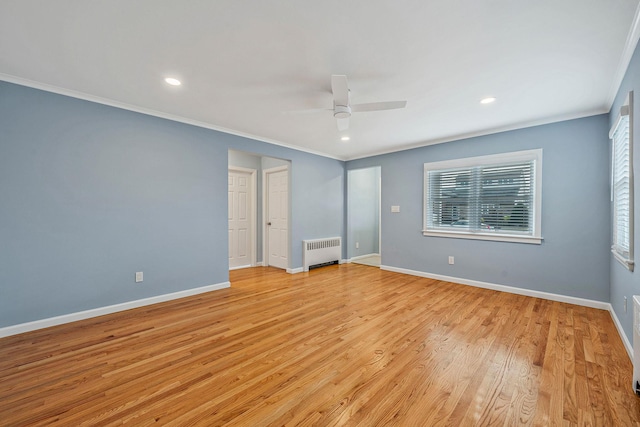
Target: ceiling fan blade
pixel 343 124
pixel 378 106
pixel 340 90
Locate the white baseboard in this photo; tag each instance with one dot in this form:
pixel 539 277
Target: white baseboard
pixel 100 311
pixel 520 291
pixel 240 267
pixel 301 269
pixel 503 288
pixel 627 344
pixel 355 258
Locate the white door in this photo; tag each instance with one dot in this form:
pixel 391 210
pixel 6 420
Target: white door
pixel 240 208
pixel 278 218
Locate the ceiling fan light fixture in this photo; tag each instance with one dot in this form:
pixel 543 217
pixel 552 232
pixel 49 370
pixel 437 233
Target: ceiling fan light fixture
pixel 488 100
pixel 345 138
pixel 342 112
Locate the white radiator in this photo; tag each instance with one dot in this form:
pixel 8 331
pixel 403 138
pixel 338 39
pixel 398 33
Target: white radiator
pixel 636 344
pixel 321 251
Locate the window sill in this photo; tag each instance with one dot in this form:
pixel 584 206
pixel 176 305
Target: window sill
pixel 484 236
pixel 627 263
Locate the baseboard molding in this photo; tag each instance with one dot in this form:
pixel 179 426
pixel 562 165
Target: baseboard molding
pixel 301 269
pixel 503 288
pixel 627 344
pixel 101 311
pixel 240 267
pixel 355 258
pixel 527 292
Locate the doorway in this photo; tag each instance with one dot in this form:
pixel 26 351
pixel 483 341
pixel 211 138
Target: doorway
pixel 363 216
pixel 253 252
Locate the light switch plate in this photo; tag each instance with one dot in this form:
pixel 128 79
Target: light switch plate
pixel 395 209
pixel 139 276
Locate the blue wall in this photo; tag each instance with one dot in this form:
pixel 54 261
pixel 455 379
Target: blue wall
pixel 573 260
pixel 91 194
pixel 623 282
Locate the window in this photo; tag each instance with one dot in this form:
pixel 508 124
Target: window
pixel 622 185
pixel 495 197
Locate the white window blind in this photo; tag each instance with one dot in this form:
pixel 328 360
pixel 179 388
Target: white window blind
pixel 489 197
pixel 622 187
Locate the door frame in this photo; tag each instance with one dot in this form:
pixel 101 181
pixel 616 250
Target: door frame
pixel 265 213
pixel 253 211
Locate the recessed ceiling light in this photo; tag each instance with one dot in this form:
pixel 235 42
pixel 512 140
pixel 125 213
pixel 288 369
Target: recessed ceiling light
pixel 487 100
pixel 345 138
pixel 172 81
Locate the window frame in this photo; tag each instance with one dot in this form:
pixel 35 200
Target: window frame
pixel 624 257
pixel 487 161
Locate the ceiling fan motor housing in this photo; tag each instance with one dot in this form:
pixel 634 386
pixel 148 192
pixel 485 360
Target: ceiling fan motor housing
pixel 342 112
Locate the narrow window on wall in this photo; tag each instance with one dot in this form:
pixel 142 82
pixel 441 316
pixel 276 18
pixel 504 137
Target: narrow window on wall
pixel 622 184
pixel 496 197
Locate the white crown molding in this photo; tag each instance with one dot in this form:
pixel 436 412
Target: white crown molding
pixel 101 311
pixel 460 137
pixel 149 112
pixel 625 59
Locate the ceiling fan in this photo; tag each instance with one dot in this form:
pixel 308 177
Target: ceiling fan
pixel 342 107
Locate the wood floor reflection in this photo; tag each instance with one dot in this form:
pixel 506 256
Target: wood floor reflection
pixel 342 345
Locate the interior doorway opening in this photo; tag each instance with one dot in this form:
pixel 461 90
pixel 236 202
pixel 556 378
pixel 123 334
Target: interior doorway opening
pixel 364 237
pixel 248 206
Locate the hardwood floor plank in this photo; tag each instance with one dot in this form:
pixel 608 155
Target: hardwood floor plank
pixel 339 346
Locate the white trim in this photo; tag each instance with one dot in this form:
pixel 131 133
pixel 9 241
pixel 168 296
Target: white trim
pixel 149 112
pixel 535 156
pixel 623 336
pixel 627 263
pixel 527 292
pixel 484 236
pixel 625 257
pixel 503 288
pixel 355 258
pixel 240 267
pixel 101 311
pixel 254 212
pixel 490 159
pixel 501 129
pixel 627 53
pixel 295 270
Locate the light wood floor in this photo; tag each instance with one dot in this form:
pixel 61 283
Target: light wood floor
pixel 342 345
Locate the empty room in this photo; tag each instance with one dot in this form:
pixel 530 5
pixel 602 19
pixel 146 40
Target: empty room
pixel 411 213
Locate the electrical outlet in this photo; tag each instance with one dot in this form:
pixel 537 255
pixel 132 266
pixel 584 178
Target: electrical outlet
pixel 625 304
pixel 451 260
pixel 357 245
pixel 139 276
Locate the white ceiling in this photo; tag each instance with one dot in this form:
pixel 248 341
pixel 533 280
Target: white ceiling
pixel 246 65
